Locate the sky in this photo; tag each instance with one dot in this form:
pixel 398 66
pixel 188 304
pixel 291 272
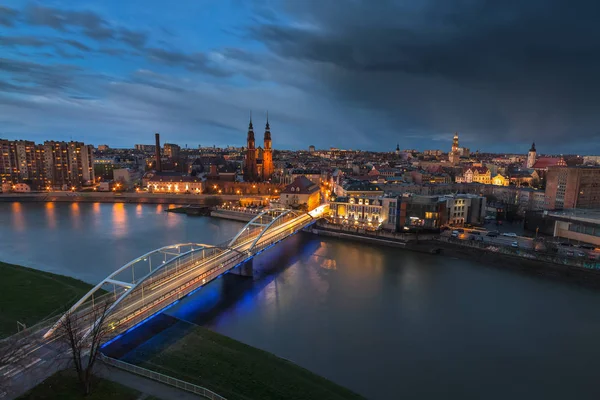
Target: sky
pixel 360 74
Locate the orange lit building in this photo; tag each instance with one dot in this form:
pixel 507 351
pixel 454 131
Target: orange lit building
pixel 258 164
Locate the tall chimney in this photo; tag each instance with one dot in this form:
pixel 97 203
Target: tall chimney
pixel 158 163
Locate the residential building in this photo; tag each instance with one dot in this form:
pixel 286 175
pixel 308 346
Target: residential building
pixel 572 187
pixel 301 193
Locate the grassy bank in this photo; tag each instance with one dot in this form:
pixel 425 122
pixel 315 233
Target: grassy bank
pixel 64 385
pixel 238 371
pixel 28 295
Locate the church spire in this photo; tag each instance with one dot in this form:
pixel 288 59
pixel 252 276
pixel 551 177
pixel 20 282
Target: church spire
pixel 250 128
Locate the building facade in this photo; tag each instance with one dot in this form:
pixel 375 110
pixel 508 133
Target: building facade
pixel 301 193
pixel 572 187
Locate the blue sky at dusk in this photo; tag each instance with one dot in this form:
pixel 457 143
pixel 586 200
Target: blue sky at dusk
pixel 349 74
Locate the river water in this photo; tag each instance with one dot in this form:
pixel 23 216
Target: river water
pixel 384 322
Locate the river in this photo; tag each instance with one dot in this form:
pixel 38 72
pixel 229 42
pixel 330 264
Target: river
pixel 384 322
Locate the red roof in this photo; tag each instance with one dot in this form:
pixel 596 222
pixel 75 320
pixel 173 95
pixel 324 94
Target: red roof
pixel 301 185
pixel 545 162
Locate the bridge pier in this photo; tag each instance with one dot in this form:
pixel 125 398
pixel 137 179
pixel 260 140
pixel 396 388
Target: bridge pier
pixel 246 269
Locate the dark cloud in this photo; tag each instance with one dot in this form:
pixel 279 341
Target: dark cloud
pixel 133 38
pixel 29 41
pixel 196 62
pixel 8 16
pixel 521 69
pixel 39 78
pixel 89 23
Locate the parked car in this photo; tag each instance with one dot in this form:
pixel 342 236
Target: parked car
pixel 492 234
pixel 509 234
pixel 455 234
pixel 460 230
pixel 514 244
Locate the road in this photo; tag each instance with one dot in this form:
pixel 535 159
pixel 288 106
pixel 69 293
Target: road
pixel 523 242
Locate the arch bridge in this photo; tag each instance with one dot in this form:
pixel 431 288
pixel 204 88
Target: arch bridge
pixel 159 278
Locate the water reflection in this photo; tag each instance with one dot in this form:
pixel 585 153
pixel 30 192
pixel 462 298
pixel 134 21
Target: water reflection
pixel 76 221
pixel 119 219
pixel 139 210
pixel 18 218
pixel 50 215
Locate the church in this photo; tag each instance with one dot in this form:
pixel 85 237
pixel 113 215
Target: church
pixel 258 165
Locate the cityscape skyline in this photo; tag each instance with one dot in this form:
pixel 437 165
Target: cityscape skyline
pixel 409 74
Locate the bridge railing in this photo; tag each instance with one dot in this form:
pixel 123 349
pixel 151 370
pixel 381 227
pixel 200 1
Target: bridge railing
pixel 158 377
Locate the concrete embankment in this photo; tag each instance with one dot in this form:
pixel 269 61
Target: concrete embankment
pixel 588 276
pixel 109 197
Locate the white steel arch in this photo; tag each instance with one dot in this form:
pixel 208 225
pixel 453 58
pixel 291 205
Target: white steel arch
pixel 270 224
pixel 131 286
pixel 253 222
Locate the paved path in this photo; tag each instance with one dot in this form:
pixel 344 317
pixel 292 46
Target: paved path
pixel 144 385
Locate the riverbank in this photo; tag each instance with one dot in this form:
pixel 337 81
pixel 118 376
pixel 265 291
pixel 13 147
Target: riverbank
pixel 30 296
pixel 238 371
pixel 517 259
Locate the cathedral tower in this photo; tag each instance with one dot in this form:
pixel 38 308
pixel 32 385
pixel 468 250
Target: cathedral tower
pixel 267 153
pixel 251 167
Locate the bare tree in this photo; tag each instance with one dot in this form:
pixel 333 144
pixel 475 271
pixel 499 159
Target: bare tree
pixel 83 332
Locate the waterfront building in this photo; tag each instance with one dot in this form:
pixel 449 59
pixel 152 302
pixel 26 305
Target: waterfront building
pixel 359 211
pixel 167 182
pixel 301 193
pixel 464 209
pixel 311 149
pixel 572 187
pixel 531 156
pixel 421 212
pixel 68 164
pixel 576 225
